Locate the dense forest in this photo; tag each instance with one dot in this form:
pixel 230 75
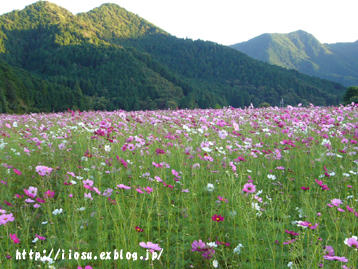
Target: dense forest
pixel 109 58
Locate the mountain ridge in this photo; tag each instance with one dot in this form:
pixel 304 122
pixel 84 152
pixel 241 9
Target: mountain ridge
pixel 115 59
pixel 301 51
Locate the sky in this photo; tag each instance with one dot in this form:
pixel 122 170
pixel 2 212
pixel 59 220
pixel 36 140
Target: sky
pixel 228 22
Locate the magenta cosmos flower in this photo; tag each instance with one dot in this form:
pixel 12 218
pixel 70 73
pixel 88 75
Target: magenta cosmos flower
pixel 292 233
pixel 40 237
pixel 249 188
pixel 217 218
pixel 352 242
pixel 14 238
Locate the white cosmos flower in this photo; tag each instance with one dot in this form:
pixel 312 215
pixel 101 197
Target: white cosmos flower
pixel 212 244
pixel 210 187
pixel 47 260
pixel 215 263
pixel 57 211
pixel 107 148
pixel 238 248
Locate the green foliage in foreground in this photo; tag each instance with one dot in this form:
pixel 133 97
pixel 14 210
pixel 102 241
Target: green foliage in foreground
pixel 351 95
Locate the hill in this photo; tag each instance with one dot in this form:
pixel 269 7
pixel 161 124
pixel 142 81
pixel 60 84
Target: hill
pixel 303 52
pixel 117 60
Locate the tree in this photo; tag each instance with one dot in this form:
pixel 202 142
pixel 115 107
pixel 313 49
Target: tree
pixel 350 93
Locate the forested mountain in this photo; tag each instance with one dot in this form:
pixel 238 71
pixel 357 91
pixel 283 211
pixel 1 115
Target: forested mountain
pixel 303 52
pixel 21 91
pixel 109 58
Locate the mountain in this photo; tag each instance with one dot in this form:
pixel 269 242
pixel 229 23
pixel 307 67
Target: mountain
pixel 109 58
pixel 303 52
pixel 21 91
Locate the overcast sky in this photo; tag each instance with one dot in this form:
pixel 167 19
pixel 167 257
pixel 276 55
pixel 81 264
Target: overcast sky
pixel 232 21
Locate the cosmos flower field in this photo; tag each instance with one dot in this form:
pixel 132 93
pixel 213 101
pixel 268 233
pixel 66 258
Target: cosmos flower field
pixel 214 188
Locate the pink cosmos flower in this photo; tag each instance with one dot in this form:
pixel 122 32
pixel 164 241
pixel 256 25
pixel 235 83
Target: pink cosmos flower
pixel 36 206
pixel 329 251
pixel 198 246
pixel 40 200
pixel 340 209
pixel 249 188
pixel 324 187
pixel 289 242
pixel 17 171
pixel 306 224
pixel 158 179
pixel 131 147
pixel 336 202
pixel 88 182
pixel 292 233
pixel 89 196
pixel 175 173
pixel 352 242
pixel 222 199
pixel 49 194
pixel 167 185
pixel 157 165
pixel 350 209
pixel 139 190
pixel 31 192
pixel 336 258
pixel 43 170
pixel 4 218
pixel 96 190
pixel 280 168
pixel 86 267
pixel 14 238
pixel 121 186
pixel 148 189
pixel 88 187
pixel 305 188
pixel 6 202
pixel 151 246
pixel 40 237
